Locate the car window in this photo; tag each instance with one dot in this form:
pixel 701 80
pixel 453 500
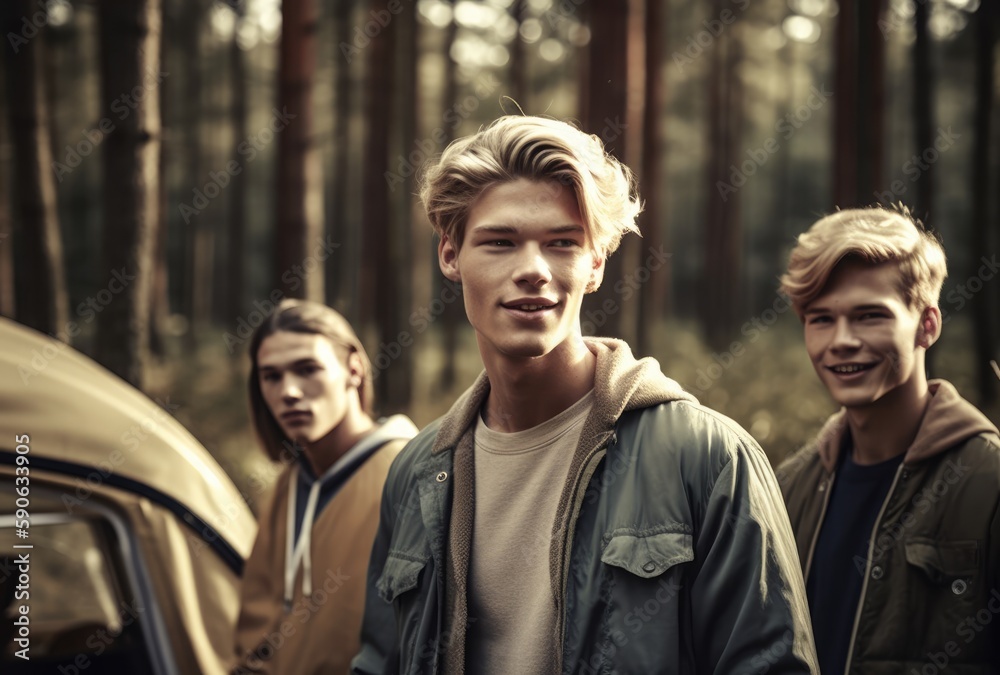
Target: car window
pixel 82 614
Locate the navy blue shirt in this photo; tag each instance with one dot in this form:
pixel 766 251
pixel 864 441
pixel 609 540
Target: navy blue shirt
pixel 838 565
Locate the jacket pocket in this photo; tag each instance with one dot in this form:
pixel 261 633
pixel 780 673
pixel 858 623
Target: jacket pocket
pixel 945 588
pixel 640 622
pixel 649 555
pixel 943 562
pixel 399 575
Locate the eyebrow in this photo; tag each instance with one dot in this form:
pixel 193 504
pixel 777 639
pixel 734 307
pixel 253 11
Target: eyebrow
pixel 857 308
pixel 510 229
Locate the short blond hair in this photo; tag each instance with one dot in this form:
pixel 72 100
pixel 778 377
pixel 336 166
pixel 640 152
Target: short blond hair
pixel 536 148
pixel 873 235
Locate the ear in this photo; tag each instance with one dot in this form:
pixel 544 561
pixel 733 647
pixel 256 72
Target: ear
pixel 356 369
pixel 929 329
pixel 448 259
pixel 597 273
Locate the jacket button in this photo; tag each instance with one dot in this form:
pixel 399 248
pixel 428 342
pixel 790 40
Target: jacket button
pixel 877 573
pixel 648 567
pixel 958 586
pixel 441 477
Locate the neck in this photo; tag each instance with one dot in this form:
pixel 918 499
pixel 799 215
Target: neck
pixel 524 392
pixel 325 452
pixel 887 428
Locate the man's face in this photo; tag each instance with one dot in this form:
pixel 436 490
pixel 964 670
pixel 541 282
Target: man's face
pixel 862 338
pixel 525 264
pixel 305 384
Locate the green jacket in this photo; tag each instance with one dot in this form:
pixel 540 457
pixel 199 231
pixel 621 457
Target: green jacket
pixel 930 595
pixel 677 556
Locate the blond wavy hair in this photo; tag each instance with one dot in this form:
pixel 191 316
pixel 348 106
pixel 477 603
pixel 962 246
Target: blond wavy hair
pixel 536 148
pixel 874 235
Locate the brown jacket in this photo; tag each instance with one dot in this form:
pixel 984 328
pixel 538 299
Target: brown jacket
pixel 317 633
pixel 933 566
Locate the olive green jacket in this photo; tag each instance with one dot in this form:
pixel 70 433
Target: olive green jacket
pixel 676 555
pixel 930 594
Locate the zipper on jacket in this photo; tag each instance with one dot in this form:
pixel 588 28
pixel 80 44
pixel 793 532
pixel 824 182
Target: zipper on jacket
pixel 587 468
pixel 822 516
pixel 901 471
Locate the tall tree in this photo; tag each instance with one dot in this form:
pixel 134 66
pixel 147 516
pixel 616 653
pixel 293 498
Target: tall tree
pixel 300 199
pixel 7 306
pixel 159 302
pixel 518 61
pixel 984 303
pixel 604 104
pixel 342 268
pixel 238 183
pixel 923 109
pixel 453 316
pixel 40 282
pixel 195 264
pixel 722 244
pixel 859 106
pixel 130 32
pixel 655 292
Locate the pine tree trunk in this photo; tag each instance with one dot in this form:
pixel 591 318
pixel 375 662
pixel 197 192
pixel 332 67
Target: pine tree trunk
pixel 40 281
pixel 130 51
pixel 298 267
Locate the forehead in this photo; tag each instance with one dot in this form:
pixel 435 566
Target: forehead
pixel 285 347
pixel 525 202
pixel 855 282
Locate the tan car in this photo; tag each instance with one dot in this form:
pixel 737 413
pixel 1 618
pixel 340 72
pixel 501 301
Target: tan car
pixel 137 536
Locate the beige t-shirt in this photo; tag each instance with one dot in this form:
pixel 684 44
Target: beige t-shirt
pixel 519 478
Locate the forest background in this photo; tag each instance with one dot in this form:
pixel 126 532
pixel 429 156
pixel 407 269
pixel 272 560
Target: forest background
pixel 169 169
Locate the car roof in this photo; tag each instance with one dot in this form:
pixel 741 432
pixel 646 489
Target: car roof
pixel 82 419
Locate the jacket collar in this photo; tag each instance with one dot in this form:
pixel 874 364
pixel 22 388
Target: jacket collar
pixel 621 383
pixel 948 421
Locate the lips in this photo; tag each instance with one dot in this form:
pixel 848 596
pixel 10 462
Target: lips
pixel 530 304
pixel 294 416
pixel 848 369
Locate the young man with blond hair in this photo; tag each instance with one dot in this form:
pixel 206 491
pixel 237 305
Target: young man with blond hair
pixel 576 511
pixel 896 504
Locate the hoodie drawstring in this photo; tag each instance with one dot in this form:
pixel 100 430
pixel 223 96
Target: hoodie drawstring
pixel 299 554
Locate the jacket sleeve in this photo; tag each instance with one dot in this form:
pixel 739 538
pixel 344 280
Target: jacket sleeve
pixel 378 628
pixel 748 602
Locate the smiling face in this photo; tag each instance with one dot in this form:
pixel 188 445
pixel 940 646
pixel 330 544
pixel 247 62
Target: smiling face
pixel 864 341
pixel 306 385
pixel 525 264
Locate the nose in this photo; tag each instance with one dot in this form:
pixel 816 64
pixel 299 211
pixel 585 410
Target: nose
pixel 844 338
pixel 532 267
pixel 290 389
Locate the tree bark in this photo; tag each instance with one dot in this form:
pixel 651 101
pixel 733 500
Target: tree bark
pixel 653 304
pixel 238 184
pixel 298 270
pixel 984 303
pixel 40 281
pixel 130 50
pixel 923 111
pixel 605 113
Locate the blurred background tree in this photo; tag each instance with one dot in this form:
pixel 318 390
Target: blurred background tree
pixel 157 196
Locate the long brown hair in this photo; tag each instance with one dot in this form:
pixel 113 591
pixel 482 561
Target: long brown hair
pixel 301 316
